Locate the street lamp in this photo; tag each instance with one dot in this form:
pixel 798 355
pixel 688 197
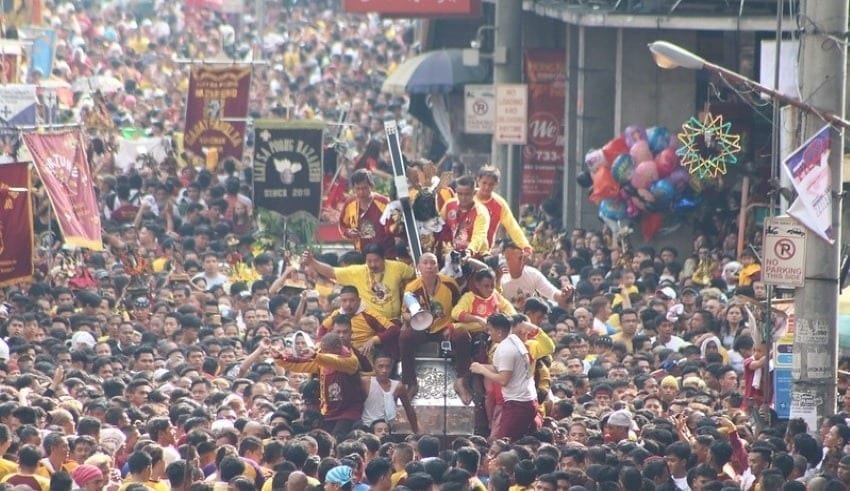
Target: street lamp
pixel 668 55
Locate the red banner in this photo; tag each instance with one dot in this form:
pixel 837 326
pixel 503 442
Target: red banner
pixel 216 109
pixel 60 159
pixel 543 156
pixel 16 228
pixel 414 8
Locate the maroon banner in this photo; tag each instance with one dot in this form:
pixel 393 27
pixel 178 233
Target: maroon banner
pixel 216 108
pixel 60 159
pixel 16 227
pixel 414 8
pixel 543 156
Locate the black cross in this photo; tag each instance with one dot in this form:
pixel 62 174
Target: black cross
pixel 5 112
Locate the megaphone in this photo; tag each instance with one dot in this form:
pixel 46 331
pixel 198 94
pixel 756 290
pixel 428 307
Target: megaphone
pixel 420 320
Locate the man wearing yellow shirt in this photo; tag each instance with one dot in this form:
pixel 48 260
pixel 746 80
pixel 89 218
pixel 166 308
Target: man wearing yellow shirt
pixel 58 450
pixel 141 467
pixel 436 293
pixel 6 466
pixel 368 327
pixel 28 457
pixel 497 207
pixel 379 281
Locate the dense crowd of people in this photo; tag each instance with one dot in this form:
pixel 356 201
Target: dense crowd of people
pixel 186 355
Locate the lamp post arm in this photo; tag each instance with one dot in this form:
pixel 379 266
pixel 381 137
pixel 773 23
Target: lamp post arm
pixel 779 96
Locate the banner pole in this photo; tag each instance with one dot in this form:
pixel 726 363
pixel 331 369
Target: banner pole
pixel 193 61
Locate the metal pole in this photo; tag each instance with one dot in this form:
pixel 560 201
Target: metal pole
pixel 508 32
pixel 822 79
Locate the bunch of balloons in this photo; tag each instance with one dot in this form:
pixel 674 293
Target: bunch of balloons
pixel 637 176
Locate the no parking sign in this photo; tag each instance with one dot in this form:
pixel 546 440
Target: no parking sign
pixel 784 252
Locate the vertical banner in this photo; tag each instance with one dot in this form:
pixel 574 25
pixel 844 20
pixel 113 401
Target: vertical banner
pixel 288 166
pixel 10 59
pixel 43 48
pixel 543 155
pixel 17 108
pixel 216 109
pixel 16 227
pixel 808 167
pixel 60 158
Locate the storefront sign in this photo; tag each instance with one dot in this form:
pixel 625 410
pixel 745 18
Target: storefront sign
pixel 543 156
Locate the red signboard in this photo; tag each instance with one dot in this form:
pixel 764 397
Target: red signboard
pixel 414 8
pixel 543 155
pixel 15 224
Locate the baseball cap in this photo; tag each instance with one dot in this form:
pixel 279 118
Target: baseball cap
pixel 668 293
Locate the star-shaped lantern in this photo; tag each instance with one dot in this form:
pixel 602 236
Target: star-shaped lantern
pixel 708 146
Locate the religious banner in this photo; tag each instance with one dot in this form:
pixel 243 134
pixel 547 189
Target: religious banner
pixel 543 155
pixel 17 108
pixel 60 159
pixel 10 59
pixel 808 168
pixel 216 109
pixel 43 48
pixel 16 227
pixel 288 166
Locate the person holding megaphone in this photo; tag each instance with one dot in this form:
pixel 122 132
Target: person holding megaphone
pixel 426 314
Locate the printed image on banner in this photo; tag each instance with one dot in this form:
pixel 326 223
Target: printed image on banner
pixel 543 155
pixel 18 107
pixel 216 107
pixel 288 166
pixel 808 168
pixel 60 159
pixel 10 59
pixel 16 227
pixel 43 47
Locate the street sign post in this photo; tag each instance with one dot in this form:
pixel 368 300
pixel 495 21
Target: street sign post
pixel 784 252
pixel 511 114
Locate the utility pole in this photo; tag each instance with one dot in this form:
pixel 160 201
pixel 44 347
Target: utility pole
pixel 822 75
pixel 508 33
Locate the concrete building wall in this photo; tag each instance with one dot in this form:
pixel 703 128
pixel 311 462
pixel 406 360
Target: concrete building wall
pixel 651 96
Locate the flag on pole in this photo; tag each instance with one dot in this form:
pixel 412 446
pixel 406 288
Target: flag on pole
pixel 60 159
pixel 16 224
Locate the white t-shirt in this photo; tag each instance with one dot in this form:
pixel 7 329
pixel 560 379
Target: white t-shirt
pixel 512 355
pixel 674 344
pixel 682 483
pixel 531 282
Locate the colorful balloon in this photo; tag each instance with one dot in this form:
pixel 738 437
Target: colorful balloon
pixel 686 204
pixel 613 209
pixel 614 148
pixel 632 210
pixel 604 185
pixel 679 177
pixel 644 175
pixel 658 138
pixel 640 151
pixel 666 162
pixel 595 159
pixel 634 134
pixel 584 180
pixel 623 168
pixel 663 190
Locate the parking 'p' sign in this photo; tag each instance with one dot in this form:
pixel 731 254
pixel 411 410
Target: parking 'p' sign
pixel 784 252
